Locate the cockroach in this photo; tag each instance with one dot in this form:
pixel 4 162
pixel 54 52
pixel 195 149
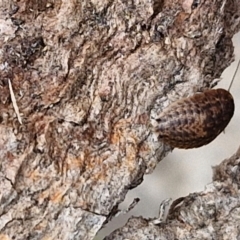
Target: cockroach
pixel 196 120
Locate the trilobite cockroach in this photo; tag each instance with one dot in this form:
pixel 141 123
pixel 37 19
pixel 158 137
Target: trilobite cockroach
pixel 195 121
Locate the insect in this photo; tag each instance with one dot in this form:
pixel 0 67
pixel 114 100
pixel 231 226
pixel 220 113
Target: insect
pixel 197 120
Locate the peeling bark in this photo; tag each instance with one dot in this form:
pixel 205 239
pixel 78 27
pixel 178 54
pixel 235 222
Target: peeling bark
pixel 210 214
pixel 89 77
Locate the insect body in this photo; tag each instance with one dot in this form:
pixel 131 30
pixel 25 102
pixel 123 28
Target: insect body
pixel 195 121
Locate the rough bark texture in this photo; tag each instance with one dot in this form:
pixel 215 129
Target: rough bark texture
pixel 211 214
pixel 89 78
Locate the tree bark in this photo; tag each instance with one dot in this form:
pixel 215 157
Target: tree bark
pixel 89 77
pixel 210 214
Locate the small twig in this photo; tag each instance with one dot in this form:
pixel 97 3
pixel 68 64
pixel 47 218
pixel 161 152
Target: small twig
pixel 14 102
pixel 234 75
pixel 130 207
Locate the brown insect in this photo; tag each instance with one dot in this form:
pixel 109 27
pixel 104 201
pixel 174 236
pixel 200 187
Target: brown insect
pixel 197 120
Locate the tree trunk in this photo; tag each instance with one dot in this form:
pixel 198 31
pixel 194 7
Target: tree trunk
pixel 210 214
pixel 88 78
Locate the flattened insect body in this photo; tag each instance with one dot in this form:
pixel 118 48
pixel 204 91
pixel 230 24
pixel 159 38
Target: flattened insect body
pixel 195 121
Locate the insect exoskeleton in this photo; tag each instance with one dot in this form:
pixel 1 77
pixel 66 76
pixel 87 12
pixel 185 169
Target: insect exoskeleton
pixel 195 121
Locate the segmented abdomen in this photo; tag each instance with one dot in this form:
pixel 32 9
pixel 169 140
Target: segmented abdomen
pixel 197 120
